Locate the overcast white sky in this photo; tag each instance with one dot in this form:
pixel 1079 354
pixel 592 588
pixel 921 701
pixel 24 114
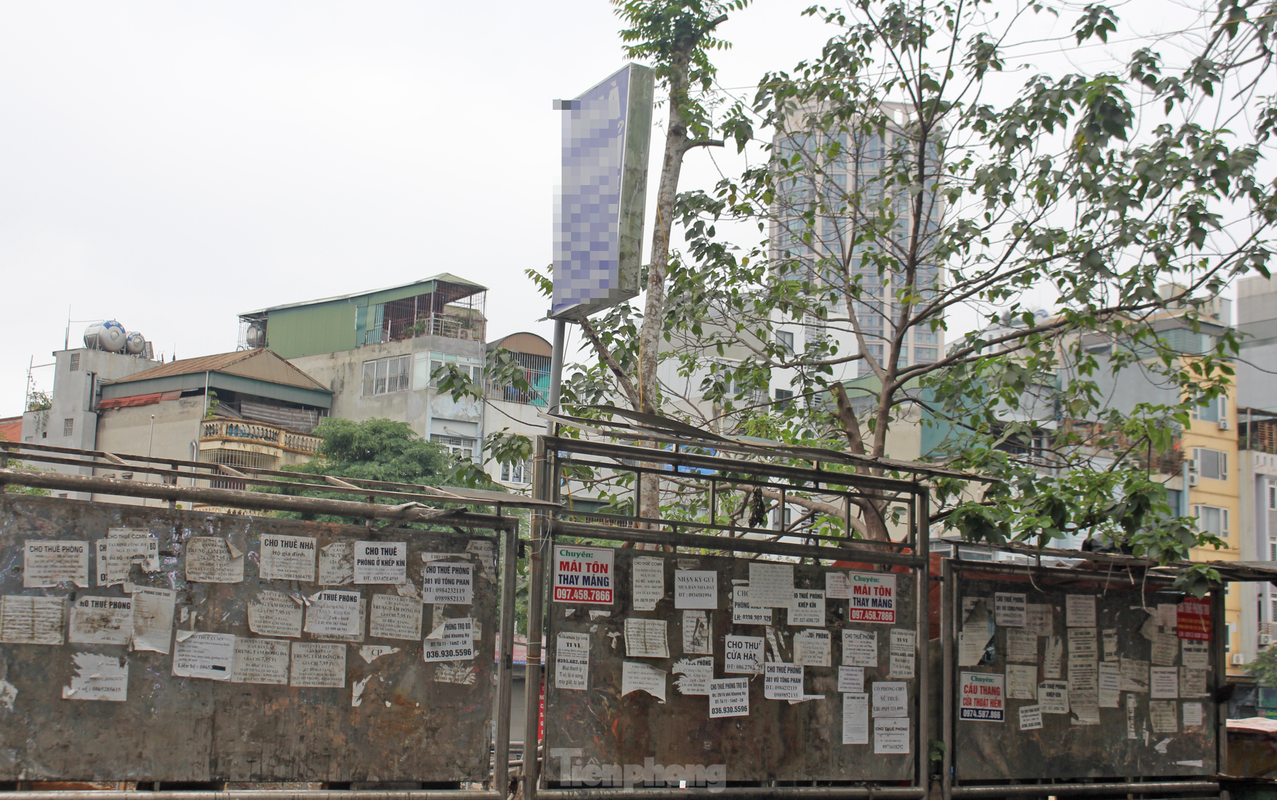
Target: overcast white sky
pixel 172 165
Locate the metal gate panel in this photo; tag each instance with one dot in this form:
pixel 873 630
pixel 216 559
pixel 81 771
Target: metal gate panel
pixel 396 717
pixel 1123 743
pixel 778 740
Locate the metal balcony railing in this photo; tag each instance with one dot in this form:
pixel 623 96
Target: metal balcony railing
pixel 258 433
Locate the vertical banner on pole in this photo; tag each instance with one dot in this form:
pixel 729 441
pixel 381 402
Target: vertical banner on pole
pixel 600 202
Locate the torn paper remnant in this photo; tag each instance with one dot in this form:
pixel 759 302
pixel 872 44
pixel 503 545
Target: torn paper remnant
pixel 98 677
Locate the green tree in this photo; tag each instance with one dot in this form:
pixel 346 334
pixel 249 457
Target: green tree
pixel 1264 667
pixel 375 450
pixel 1095 186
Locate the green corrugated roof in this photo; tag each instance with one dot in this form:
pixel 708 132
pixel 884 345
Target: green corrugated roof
pixel 442 277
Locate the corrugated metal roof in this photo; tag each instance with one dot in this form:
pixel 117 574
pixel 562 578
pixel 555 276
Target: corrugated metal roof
pixel 260 364
pixel 442 277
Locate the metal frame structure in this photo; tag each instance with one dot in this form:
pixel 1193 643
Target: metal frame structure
pixel 690 454
pixel 466 510
pixel 950 625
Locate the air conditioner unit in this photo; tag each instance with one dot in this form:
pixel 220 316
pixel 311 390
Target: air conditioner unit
pixel 1238 659
pixel 1192 464
pixel 1192 478
pixel 1265 639
pixel 1223 424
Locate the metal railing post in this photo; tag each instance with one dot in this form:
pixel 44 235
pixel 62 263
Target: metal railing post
pixel 536 608
pixel 922 588
pixel 505 661
pixel 948 634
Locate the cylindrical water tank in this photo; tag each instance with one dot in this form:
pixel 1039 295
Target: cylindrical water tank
pixel 134 343
pixel 108 336
pixel 256 336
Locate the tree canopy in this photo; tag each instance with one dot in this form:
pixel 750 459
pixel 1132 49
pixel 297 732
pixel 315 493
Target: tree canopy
pixel 375 450
pixel 909 173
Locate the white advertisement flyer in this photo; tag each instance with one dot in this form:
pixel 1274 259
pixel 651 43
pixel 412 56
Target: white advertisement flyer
pixel 572 661
pixel 451 641
pixel 649 582
pixel 728 697
pixel 694 588
pixel 873 597
pixel 582 575
pixel 287 558
pixel 381 562
pixel 743 655
pixel 983 698
pixel 204 655
pixel 47 564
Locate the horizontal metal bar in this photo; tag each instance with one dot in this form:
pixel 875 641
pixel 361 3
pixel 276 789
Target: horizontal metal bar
pixel 745 792
pixel 1075 789
pixel 253 479
pixel 835 489
pixel 253 794
pixel 30 451
pixel 612 428
pixel 1067 575
pixel 684 459
pixel 249 500
pixel 681 523
pixel 725 543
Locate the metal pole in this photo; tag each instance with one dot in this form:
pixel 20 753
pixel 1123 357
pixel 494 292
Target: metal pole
pixel 1083 789
pixel 1219 644
pixel 923 636
pixel 741 793
pixel 948 618
pixel 541 480
pixel 556 368
pixel 505 665
pixel 276 794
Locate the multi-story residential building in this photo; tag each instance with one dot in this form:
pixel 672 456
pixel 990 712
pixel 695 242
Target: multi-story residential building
pixel 1257 324
pixel 1257 460
pixel 1201 471
pixel 248 408
pixel 815 235
pixel 379 353
pixel 514 410
pixel 1257 524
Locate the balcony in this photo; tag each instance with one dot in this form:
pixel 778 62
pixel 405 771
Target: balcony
pixel 245 432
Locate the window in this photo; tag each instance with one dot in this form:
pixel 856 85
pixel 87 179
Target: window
pixel 387 375
pixel 924 355
pixel 1212 520
pixel 813 330
pixel 1272 499
pixel 784 397
pixel 456 445
pixel 925 337
pixel 1211 464
pixel 786 341
pixel 518 472
pixel 75 362
pixel 68 427
pixel 472 371
pixel 1212 410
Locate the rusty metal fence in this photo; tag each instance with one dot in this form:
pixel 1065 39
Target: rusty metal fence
pixel 1066 681
pixel 706 656
pixel 144 643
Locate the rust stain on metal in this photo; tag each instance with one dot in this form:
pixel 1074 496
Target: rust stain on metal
pixel 1062 748
pixel 777 741
pixel 183 729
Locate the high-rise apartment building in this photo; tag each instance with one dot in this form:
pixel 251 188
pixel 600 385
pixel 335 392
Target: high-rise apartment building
pixel 843 223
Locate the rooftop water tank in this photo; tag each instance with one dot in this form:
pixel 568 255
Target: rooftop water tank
pixel 108 336
pixel 256 336
pixel 134 343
